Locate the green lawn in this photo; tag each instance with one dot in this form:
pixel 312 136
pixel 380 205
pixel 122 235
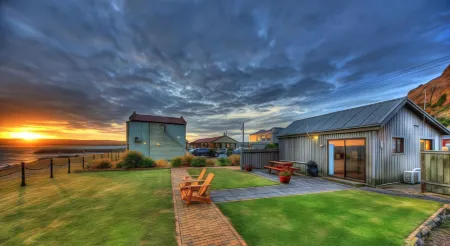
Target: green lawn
pixel 114 208
pixel 334 218
pixel 230 179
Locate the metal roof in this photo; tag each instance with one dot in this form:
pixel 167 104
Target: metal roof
pixel 157 119
pixel 359 117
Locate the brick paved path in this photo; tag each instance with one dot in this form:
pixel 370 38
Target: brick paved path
pixel 298 185
pixel 200 224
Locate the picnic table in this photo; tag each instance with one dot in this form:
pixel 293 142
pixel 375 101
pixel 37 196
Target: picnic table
pixel 279 165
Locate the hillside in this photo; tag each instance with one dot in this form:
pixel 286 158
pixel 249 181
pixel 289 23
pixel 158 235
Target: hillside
pixel 438 97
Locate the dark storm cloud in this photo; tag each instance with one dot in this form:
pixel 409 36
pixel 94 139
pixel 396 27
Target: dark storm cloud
pixel 217 63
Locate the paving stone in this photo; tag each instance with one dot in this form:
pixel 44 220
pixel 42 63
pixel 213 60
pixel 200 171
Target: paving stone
pixel 298 185
pixel 201 224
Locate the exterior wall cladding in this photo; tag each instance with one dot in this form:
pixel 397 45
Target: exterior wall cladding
pixel 382 165
pixel 158 141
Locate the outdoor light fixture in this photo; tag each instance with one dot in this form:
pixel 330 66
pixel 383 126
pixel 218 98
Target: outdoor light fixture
pixel 158 144
pixel 315 137
pixel 145 143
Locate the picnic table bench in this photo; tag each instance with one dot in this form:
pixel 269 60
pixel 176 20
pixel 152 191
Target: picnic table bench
pixel 279 165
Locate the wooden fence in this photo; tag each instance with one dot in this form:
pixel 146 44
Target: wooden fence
pixel 258 158
pixel 435 172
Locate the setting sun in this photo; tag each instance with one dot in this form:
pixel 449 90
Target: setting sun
pixel 26 135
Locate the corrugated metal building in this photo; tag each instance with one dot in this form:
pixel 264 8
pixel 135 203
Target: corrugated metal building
pixel 158 137
pixel 373 144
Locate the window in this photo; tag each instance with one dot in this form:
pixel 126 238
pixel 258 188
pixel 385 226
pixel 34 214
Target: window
pixel 228 145
pixel 218 145
pixel 397 145
pixel 426 144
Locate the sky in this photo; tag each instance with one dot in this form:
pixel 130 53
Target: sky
pixel 79 68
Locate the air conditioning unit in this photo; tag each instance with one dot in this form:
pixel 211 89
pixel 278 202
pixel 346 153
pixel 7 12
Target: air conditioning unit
pixel 412 177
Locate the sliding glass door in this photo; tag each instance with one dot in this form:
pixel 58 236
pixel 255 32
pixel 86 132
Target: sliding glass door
pixel 347 158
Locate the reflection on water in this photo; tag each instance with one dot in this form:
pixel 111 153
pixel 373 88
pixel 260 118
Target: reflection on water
pixel 10 155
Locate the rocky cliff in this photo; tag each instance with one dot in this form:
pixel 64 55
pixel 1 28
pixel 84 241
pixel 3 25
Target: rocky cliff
pixel 438 96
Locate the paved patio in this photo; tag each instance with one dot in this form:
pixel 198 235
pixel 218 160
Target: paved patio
pixel 299 185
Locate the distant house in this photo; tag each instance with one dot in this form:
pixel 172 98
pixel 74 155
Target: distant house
pixel 259 139
pixel 158 137
pixel 214 142
pixel 445 141
pixel 373 144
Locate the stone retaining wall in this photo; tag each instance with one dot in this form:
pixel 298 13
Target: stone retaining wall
pixel 417 237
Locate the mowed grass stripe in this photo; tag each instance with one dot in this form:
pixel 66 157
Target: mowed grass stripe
pixel 334 218
pixel 119 208
pixel 230 179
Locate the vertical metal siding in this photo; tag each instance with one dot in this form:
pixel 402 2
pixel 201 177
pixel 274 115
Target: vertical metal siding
pixel 259 157
pixel 382 166
pixel 304 149
pixel 408 125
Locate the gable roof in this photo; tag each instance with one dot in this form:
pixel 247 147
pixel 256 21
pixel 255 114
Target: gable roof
pixel 260 131
pixel 372 115
pixel 270 130
pixel 211 140
pixel 207 140
pixel 157 119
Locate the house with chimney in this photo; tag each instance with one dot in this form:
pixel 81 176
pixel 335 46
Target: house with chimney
pixel 158 137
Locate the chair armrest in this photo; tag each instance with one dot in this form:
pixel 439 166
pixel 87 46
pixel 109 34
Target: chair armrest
pixel 192 187
pixel 192 180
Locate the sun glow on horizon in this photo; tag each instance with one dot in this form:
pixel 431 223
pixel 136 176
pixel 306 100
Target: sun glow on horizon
pixel 29 136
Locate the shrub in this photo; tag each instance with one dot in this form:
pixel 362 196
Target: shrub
pixel 235 160
pixel 177 162
pixel 118 164
pixel 198 162
pixel 187 159
pixel 131 159
pixel 285 172
pixel 440 101
pixel 223 161
pixel 271 146
pixel 210 162
pixel 162 163
pixel 146 162
pixel 100 164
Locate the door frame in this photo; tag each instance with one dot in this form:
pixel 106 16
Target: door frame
pixel 345 159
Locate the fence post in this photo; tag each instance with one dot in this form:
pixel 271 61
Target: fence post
pixel 82 161
pixel 423 185
pixel 93 157
pixel 68 166
pixel 23 174
pixel 51 168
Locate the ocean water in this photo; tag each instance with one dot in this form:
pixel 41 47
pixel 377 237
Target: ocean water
pixel 10 155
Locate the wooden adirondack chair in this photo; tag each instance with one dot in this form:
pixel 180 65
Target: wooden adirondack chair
pixel 197 193
pixel 192 180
